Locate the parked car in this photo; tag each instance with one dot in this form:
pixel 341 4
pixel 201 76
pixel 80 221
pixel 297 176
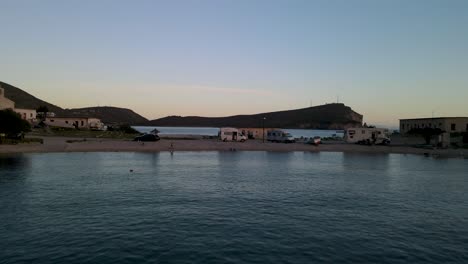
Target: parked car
pixel 147 137
pixel 315 141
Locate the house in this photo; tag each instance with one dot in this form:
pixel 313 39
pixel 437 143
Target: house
pixel 26 114
pixel 76 122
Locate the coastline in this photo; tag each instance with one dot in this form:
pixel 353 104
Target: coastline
pixel 67 144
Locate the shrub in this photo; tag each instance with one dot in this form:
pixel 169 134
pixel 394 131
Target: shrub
pixel 11 123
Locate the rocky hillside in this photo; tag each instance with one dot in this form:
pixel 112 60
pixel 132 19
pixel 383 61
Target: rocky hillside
pixel 25 100
pixel 329 116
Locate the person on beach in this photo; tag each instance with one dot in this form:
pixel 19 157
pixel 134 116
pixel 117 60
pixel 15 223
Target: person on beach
pixel 171 148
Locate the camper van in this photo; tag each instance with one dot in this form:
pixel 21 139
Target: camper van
pixel 231 134
pixel 280 136
pixel 368 136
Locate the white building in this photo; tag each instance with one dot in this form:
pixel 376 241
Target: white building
pixel 26 114
pixel 449 126
pixel 446 124
pixel 76 122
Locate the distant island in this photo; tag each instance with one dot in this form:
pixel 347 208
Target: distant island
pixel 328 116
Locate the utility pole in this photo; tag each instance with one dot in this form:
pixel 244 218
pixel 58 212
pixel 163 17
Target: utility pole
pixel 263 125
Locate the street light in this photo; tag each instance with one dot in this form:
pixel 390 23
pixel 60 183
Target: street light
pixel 263 124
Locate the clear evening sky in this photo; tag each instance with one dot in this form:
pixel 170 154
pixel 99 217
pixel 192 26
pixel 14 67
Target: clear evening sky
pixel 386 59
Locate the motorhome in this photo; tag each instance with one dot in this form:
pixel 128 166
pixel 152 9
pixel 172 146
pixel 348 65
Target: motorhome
pixel 367 135
pixel 280 136
pixel 231 134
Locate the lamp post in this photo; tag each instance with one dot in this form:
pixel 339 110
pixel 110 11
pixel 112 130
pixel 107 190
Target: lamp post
pixel 263 125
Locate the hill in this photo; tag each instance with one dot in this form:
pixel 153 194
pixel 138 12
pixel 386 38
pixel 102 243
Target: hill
pixel 329 116
pixel 25 100
pixel 109 114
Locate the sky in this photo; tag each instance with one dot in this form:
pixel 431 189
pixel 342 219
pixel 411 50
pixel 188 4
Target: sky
pixel 386 60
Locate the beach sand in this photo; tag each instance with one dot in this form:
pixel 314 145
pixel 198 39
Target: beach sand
pixel 61 144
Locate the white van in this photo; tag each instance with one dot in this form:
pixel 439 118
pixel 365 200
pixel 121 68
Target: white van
pixel 231 134
pixel 280 136
pixel 367 135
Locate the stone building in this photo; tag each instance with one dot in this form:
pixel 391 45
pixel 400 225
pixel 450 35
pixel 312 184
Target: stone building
pixel 5 103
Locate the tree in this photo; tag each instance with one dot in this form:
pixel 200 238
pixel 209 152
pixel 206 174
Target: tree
pixel 43 110
pixel 12 124
pixel 427 133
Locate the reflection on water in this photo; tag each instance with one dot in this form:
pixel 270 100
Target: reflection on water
pixel 13 161
pixel 238 207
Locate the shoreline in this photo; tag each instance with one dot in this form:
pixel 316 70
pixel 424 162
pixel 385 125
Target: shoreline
pixel 67 144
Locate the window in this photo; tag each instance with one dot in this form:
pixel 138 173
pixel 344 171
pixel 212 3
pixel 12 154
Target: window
pixel 51 120
pixel 363 132
pixel 66 122
pixel 467 127
pixel 430 125
pixel 31 115
pixel 82 123
pixel 402 126
pixel 352 132
pixel 453 127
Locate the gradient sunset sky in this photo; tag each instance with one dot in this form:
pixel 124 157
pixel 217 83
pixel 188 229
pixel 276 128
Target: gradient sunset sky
pixel 386 59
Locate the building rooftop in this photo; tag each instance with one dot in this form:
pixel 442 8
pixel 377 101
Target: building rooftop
pixel 432 118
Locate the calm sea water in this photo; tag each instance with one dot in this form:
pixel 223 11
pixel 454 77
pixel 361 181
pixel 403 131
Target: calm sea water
pixel 232 207
pixel 213 131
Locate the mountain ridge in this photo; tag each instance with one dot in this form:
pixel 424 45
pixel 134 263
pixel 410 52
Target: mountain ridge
pixel 107 114
pixel 328 116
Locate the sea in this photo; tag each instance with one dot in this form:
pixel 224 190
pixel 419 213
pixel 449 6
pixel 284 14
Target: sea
pixel 232 207
pixel 213 131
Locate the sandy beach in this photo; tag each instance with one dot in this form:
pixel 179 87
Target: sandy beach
pixel 63 144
